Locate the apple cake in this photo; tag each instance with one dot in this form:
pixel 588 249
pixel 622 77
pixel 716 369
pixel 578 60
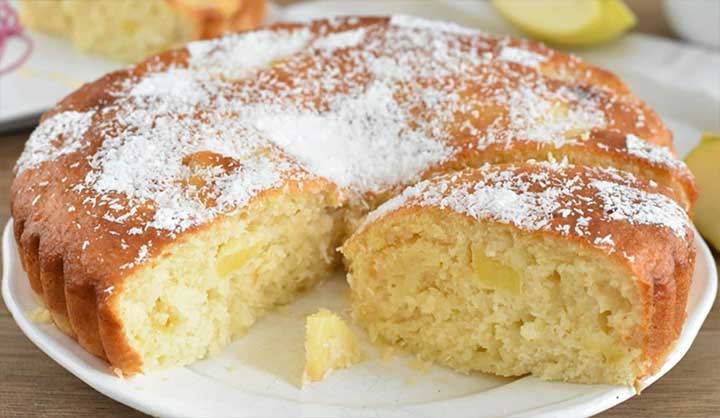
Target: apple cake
pixel 160 210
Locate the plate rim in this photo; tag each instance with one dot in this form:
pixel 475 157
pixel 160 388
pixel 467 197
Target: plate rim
pixel 596 401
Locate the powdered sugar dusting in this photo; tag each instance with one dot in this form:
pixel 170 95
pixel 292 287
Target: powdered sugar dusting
pixel 59 135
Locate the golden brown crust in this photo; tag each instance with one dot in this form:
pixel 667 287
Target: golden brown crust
pixel 670 287
pixel 28 245
pixel 51 276
pixel 82 308
pixel 74 257
pixel 117 348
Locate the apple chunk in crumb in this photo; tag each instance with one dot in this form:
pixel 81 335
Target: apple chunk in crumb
pixel 329 345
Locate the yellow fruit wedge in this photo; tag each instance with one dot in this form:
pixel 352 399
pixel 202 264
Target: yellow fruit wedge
pixel 568 22
pixel 704 162
pixel 329 345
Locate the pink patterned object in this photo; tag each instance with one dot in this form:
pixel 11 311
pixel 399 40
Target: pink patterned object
pixel 10 27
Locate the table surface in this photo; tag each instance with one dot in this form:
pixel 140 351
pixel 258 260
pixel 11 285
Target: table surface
pixel 33 385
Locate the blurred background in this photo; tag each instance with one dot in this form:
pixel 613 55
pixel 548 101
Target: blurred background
pixel 50 47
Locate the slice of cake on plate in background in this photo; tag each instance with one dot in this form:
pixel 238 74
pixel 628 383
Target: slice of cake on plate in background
pixel 130 30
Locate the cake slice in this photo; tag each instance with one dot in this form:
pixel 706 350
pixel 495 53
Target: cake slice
pixel 206 289
pixel 130 30
pixel 564 272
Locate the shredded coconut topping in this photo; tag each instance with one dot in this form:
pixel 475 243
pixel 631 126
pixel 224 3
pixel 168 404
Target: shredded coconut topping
pixel 547 196
pixel 368 108
pixel 178 84
pixel 650 152
pixel 361 142
pixel 341 40
pixel 142 169
pixel 369 130
pixel 236 56
pixel 413 22
pixel 537 114
pixel 58 135
pixel 625 203
pixel 522 56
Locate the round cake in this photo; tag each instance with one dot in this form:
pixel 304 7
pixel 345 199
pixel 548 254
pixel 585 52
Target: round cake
pixel 160 210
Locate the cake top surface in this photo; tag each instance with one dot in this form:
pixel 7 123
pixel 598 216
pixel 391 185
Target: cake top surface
pixel 369 104
pixel 571 201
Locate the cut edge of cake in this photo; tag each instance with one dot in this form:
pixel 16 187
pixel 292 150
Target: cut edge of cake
pixel 470 271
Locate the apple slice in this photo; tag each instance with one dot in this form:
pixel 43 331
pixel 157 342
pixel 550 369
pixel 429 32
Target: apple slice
pixel 568 22
pixel 704 162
